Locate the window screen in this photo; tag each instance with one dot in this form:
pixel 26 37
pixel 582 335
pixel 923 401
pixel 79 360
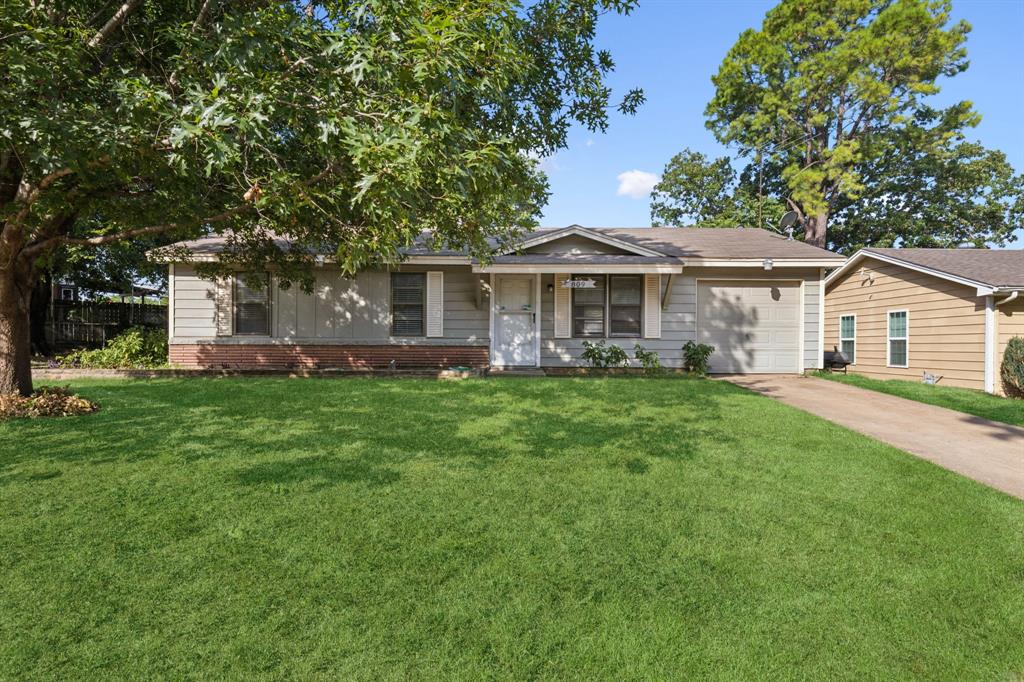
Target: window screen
pixel 898 338
pixel 588 307
pixel 624 300
pixel 408 291
pixel 252 304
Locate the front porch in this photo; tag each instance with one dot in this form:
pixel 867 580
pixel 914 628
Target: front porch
pixel 534 313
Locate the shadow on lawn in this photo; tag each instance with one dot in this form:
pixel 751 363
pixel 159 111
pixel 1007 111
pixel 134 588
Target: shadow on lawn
pixel 328 470
pixel 342 431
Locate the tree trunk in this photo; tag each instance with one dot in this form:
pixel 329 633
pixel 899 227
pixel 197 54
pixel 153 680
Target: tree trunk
pixel 15 354
pixel 814 229
pixel 39 313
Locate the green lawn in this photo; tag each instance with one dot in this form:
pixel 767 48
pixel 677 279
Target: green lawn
pixel 618 528
pixel 978 403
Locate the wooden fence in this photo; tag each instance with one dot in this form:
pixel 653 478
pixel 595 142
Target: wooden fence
pixel 95 323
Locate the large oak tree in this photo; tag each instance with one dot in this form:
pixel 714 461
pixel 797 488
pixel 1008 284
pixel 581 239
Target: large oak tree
pixel 350 125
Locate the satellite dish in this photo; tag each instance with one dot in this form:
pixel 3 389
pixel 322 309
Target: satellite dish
pixel 789 219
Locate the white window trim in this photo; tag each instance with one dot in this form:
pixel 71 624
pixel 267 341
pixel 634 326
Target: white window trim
pixel 854 337
pixel 608 335
pixel 888 338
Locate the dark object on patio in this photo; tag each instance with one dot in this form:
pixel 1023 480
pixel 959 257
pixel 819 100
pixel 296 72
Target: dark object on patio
pixel 836 360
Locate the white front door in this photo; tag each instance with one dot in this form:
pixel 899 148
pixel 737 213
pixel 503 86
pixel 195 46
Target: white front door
pixel 515 321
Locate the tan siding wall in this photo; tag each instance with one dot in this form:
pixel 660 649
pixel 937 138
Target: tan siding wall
pixel 946 323
pixel 1009 323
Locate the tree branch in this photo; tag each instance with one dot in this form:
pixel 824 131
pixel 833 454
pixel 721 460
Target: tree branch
pixel 204 14
pixel 114 23
pixel 135 232
pixel 41 246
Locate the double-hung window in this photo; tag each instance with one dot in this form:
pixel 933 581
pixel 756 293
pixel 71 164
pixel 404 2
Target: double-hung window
pixel 252 304
pixel 624 296
pixel 588 307
pixel 408 293
pixel 848 336
pixel 896 351
pixel 612 307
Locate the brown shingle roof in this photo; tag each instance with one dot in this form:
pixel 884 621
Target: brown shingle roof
pixel 991 267
pixel 674 242
pixel 708 242
pixel 696 242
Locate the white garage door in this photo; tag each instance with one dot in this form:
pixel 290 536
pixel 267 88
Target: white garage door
pixel 754 326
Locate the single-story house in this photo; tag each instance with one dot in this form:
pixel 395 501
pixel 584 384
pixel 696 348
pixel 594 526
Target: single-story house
pixel 898 313
pixel 757 297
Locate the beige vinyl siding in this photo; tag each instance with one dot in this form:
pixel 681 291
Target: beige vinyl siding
pixel 339 310
pixel 1009 323
pixel 679 318
pixel 946 323
pixel 357 309
pixel 195 306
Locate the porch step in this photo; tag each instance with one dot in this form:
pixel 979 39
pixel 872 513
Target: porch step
pixel 517 371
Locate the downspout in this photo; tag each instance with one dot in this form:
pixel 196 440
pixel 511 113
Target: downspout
pixel 990 344
pixel 991 331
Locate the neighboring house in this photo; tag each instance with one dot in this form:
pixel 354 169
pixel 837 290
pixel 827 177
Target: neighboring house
pixel 64 291
pixel 898 313
pixel 755 296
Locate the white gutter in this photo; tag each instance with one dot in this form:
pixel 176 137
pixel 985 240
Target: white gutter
pixel 581 268
pixel 982 288
pixel 761 263
pixel 1008 298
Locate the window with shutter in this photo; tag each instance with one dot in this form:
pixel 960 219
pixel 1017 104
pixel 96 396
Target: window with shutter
pixel 252 304
pixel 408 293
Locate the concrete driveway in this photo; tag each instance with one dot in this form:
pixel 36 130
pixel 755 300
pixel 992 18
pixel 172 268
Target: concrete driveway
pixel 987 451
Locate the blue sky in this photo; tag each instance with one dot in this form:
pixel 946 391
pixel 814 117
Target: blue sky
pixel 671 48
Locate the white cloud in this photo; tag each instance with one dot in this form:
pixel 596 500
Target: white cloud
pixel 636 183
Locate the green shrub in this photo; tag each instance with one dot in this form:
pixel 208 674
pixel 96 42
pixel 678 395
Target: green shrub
pixel 695 357
pixel 1012 369
pixel 648 359
pixel 136 348
pixel 601 356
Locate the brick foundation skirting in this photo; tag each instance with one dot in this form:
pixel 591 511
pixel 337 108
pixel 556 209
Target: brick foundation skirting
pixel 238 356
